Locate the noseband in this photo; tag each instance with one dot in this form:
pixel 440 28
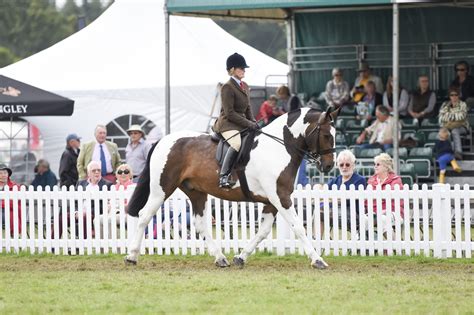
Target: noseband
pixel 315 157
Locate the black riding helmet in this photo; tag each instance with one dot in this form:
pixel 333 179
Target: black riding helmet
pixel 236 61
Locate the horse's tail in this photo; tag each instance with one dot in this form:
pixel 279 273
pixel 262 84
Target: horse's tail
pixel 142 190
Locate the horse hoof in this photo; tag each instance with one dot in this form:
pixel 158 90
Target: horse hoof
pixel 319 264
pixel 222 263
pixel 129 262
pixel 239 262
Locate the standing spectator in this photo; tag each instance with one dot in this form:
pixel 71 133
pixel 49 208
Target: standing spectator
pixel 423 100
pixel 381 131
pixel 44 176
pixel 269 111
pixel 288 101
pixel 386 178
pixel 337 90
pixel 445 154
pixel 99 150
pixel 5 181
pixel 365 108
pixel 364 77
pixel 68 175
pixel 453 116
pixel 137 150
pixel 464 82
pixel 403 98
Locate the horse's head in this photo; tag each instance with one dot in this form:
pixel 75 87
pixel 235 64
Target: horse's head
pixel 321 139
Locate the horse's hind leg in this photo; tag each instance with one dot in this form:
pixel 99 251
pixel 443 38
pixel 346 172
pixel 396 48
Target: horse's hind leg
pixel 198 200
pixel 155 200
pixel 269 213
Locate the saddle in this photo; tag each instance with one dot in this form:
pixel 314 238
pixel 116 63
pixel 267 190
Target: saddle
pixel 247 139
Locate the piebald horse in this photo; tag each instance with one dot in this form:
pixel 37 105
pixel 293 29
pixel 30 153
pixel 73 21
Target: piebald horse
pixel 186 160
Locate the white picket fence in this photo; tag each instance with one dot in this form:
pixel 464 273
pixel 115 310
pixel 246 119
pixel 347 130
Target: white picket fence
pixel 438 222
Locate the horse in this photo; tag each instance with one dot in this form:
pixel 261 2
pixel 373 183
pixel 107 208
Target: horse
pixel 186 160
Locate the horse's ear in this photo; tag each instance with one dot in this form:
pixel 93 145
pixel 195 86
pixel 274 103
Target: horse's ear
pixel 334 113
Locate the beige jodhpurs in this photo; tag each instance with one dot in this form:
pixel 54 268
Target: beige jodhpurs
pixel 234 141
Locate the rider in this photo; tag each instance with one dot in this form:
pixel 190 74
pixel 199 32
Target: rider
pixel 236 115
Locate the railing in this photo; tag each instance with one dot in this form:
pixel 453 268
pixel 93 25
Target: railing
pixel 438 222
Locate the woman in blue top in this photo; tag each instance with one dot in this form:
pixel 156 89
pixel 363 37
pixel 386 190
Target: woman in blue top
pixel 346 164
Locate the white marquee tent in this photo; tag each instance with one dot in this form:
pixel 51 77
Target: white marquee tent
pixel 115 67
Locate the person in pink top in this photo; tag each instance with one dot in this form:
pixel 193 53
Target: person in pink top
pixel 124 176
pixel 386 178
pixel 269 111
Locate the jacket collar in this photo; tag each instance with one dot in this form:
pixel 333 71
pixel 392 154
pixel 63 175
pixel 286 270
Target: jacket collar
pixel 237 86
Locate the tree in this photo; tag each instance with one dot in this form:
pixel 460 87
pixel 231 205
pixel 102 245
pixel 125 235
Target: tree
pixel 7 57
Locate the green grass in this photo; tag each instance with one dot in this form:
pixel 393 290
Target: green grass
pixel 268 284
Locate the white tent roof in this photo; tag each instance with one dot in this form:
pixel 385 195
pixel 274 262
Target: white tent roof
pixel 115 66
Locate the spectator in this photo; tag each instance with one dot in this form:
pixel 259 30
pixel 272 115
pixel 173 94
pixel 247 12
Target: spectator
pixel 137 150
pixel 288 102
pixel 453 116
pixel 268 111
pixel 464 82
pixel 44 176
pixel 403 99
pixel 99 150
pixel 386 178
pixel 124 176
pixel 6 182
pixel 445 154
pixel 364 77
pixel 68 175
pixel 381 131
pixel 365 109
pixel 337 90
pixel 346 165
pixel 423 100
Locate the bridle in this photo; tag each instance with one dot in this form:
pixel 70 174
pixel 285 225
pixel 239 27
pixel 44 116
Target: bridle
pixel 311 157
pixel 315 157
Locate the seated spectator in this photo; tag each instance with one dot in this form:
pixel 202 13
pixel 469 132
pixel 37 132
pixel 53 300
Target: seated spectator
pixel 423 100
pixel 381 131
pixel 346 165
pixel 287 101
pixel 44 176
pixel 445 154
pixel 365 108
pixel 453 116
pixel 337 90
pixel 386 178
pixel 269 111
pixel 465 83
pixel 6 182
pixel 94 181
pixel 124 177
pixel 364 77
pixel 403 99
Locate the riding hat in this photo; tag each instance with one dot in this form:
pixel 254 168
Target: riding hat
pixel 136 128
pixel 236 61
pixel 4 167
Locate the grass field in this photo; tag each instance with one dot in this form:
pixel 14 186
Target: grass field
pixel 268 284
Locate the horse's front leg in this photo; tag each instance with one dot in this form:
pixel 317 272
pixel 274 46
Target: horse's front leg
pixel 269 213
pixel 285 207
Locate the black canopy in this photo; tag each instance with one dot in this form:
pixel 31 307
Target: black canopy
pixel 19 99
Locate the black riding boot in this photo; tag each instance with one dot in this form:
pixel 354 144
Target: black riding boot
pixel 225 180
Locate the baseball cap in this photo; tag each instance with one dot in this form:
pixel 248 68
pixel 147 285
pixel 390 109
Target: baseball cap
pixel 72 136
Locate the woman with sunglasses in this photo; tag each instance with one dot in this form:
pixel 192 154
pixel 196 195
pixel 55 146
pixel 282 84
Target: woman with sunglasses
pixel 453 116
pixel 124 176
pixel 386 178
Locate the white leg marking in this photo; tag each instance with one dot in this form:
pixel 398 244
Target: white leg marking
pixel 201 227
pixel 265 229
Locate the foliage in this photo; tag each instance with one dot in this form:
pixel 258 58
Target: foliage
pixel 268 37
pixel 6 57
pixel 268 284
pixel 29 26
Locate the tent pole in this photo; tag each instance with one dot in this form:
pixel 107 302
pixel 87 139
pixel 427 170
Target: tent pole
pixel 167 68
pixel 289 23
pixel 395 64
